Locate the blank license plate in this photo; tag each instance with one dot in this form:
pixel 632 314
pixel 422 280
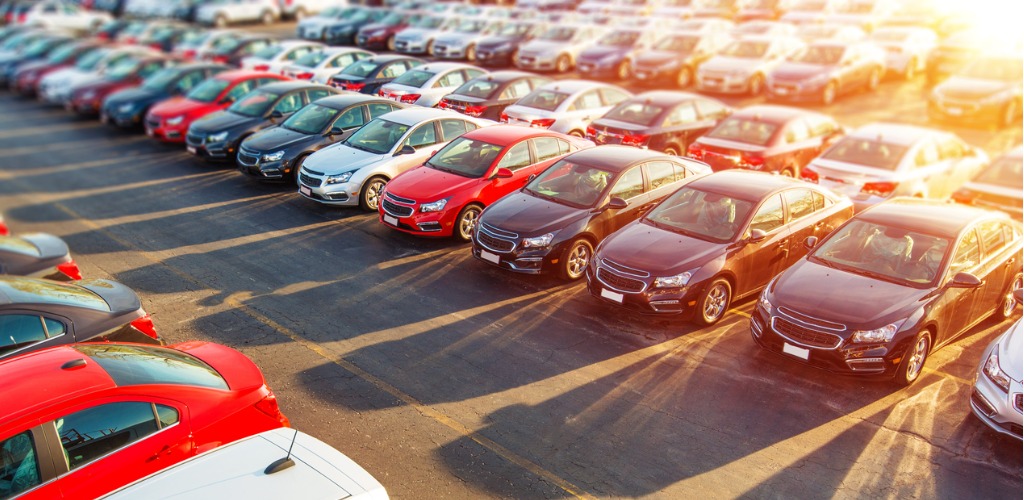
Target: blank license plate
pixel 191 149
pixel 490 257
pixel 610 295
pixel 391 220
pixel 795 351
pixel 305 190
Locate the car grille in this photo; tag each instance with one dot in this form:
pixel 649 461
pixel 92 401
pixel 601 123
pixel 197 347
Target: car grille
pixel 619 282
pixel 1017 403
pixel 194 140
pixel 399 199
pixel 812 321
pixel 395 209
pixel 248 159
pixel 804 336
pixel 493 243
pixel 153 123
pixel 982 404
pixel 308 180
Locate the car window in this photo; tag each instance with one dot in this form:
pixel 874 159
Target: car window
pixel 797 131
pixel 318 94
pixel 517 157
pixel 351 118
pixel 424 135
pixel 516 90
pixel 393 70
pixel 188 81
pixel 629 185
pixel 453 79
pixel 769 215
pixel 150 68
pixel 819 126
pixel 927 154
pixel 709 109
pixel 377 109
pixel 451 129
pixel 967 255
pixel 297 53
pixel 611 97
pixel 800 203
pixel 589 100
pixel 92 433
pixel 289 103
pixel 662 173
pixel 951 149
pixel 820 201
pixel 549 147
pixel 240 90
pixel 20 465
pixel 254 47
pixel 23 330
pixel 681 115
pixel 344 60
pixel 993 238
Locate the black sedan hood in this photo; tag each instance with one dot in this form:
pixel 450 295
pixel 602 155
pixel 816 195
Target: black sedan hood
pixel 529 215
pixel 660 252
pixel 278 138
pixel 120 298
pixel 497 41
pixel 224 120
pixel 597 53
pixel 137 95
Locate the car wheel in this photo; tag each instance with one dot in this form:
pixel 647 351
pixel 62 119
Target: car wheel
pixel 1008 303
pixel 267 17
pixel 430 48
pixel 788 171
pixel 369 197
pixel 471 53
pixel 563 64
pixel 576 133
pixel 874 79
pixel 714 302
pixel 574 259
pixel 828 94
pixel 685 77
pixel 672 150
pixel 911 70
pixel 465 223
pixel 391 43
pixel 1010 113
pixel 623 70
pixel 913 360
pixel 221 21
pixel 296 166
pixel 756 84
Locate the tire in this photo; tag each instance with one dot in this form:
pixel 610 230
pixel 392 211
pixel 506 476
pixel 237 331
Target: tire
pixel 369 196
pixel 391 43
pixel 572 264
pixel 622 71
pixel 913 360
pixel 471 53
pixel 788 171
pixel 911 70
pixel 563 64
pixel 672 150
pixel 714 302
pixel 1007 303
pixel 296 166
pixel 267 17
pixel 576 133
pixel 1010 112
pixel 685 77
pixel 828 94
pixel 465 222
pixel 874 79
pixel 221 21
pixel 430 48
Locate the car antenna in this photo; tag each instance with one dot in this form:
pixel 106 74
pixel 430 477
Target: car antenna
pixel 283 463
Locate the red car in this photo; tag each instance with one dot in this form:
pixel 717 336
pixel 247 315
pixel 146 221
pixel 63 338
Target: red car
pixel 4 230
pixel 83 420
pixel 445 195
pixel 169 120
pixel 28 75
pixel 130 73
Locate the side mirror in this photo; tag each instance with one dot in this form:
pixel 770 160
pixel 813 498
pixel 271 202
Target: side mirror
pixel 1018 295
pixel 502 173
pixel 336 131
pixel 532 177
pixel 965 280
pixel 276 114
pixel 811 242
pixel 406 150
pixel 616 203
pixel 757 235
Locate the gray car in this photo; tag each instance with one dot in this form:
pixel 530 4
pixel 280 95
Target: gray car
pixel 566 106
pixel 556 48
pixel 425 85
pixel 37 255
pixel 996 398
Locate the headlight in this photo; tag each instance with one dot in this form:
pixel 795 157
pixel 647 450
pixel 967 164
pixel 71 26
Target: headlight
pixel 338 179
pixel 223 136
pixel 275 156
pixel 994 372
pixel 538 241
pixel 883 334
pixel 763 300
pixel 176 121
pixel 677 281
pixel 436 206
pixel 125 108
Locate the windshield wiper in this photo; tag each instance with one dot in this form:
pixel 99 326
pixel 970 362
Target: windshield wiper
pixel 359 147
pixel 880 276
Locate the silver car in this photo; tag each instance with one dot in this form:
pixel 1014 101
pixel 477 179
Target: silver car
pixel 320 66
pixel 354 172
pixel 566 106
pixel 460 43
pixel 556 48
pixel 419 37
pixel 882 160
pixel 425 85
pixel 996 398
pixel 906 48
pixel 742 65
pixel 221 13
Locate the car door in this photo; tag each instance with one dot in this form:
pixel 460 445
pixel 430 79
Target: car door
pixel 756 262
pixel 286 105
pixel 23 330
pixel 805 217
pixel 998 265
pixel 631 188
pixel 954 306
pixel 347 122
pixel 518 158
pixel 677 130
pixel 26 466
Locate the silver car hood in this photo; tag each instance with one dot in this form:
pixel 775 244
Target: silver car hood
pixel 542 47
pixel 341 158
pixel 731 64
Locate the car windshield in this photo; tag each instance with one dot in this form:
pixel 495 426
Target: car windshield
pixel 889 36
pixel 161 79
pixel 254 103
pixel 228 45
pixel 465 157
pixel 826 55
pixel 745 130
pixel 392 19
pixel 414 78
pixel 429 22
pixel 336 11
pixel 192 39
pixel 208 90
pixel 1006 171
pixel 311 59
pixel 867 152
pixel 572 184
pixel 624 38
pixel 547 100
pixel 701 214
pixel 311 119
pixel 471 25
pixel 637 113
pixel 678 43
pixel 483 89
pixel 62 54
pixel 89 61
pixel 38 48
pixel 122 69
pixel 888 253
pixel 144 365
pixel 360 68
pixel 1005 69
pixel 558 33
pixel 34 291
pixel 746 49
pixel 378 136
pixel 269 52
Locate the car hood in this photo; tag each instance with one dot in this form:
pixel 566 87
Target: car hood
pixel 80 80
pixel 223 120
pixel 137 94
pixel 654 58
pixel 962 87
pixel 49 245
pixel 799 71
pixel 459 38
pixel 341 158
pixel 415 33
pixel 426 184
pixel 841 296
pixel 598 53
pixel 275 138
pixel 496 41
pixel 179 106
pixel 315 23
pixel 660 252
pixel 725 63
pixel 1010 349
pixel 542 47
pixel 62 75
pixel 529 215
pixel 120 298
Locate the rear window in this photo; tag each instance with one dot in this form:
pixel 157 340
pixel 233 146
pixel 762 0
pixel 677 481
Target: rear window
pixel 32 291
pixel 543 99
pixel 18 245
pixel 140 365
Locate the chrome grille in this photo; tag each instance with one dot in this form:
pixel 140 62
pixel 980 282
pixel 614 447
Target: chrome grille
pixel 1017 402
pixel 394 209
pixel 493 243
pixel 811 321
pixel 501 233
pixel 801 335
pixel 194 140
pixel 309 181
pixel 618 282
pixel 399 199
pixel 153 123
pixel 624 269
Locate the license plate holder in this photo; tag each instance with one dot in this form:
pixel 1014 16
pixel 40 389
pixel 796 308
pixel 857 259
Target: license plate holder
pixel 391 220
pixel 305 190
pixel 612 296
pixel 793 350
pixel 490 257
pixel 190 149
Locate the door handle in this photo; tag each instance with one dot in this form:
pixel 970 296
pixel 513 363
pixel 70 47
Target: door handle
pixel 783 244
pixel 1010 262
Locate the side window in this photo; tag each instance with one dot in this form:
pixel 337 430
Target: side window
pixel 630 185
pixel 517 157
pixel 20 465
pixel 297 53
pixel 289 103
pixel 453 79
pixel 993 238
pixel 549 147
pixel 951 149
pixel 797 131
pixel 188 81
pixel 318 94
pixel 612 97
pixel 662 173
pixel 393 70
pixel 800 203
pixel 350 119
pixel 769 215
pixel 451 129
pixel 377 109
pixel 94 432
pixel 681 115
pixel 240 90
pixel 254 47
pixel 967 254
pixel 820 127
pixel 516 90
pixel 926 155
pixel 589 100
pixel 709 109
pixel 424 135
pixel 343 60
pixel 819 201
pixel 150 68
pixel 23 330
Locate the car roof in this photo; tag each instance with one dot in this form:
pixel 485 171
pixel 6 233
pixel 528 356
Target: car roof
pixel 747 184
pixel 244 74
pixel 342 101
pixel 894 133
pixel 386 58
pixel 416 114
pixel 438 67
pixel 36 380
pixel 613 157
pixel 666 97
pixel 23 290
pixel 506 75
pixel 931 216
pixel 289 85
pixel 506 134
pixel 572 86
pixel 773 113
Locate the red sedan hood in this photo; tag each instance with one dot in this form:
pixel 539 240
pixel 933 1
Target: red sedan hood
pixel 183 106
pixel 425 184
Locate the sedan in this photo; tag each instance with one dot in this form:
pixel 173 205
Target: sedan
pixel 218 136
pixel 460 41
pixel 37 256
pixel 274 58
pixel 444 196
pixel 418 37
pixel 996 398
pixel 314 27
pixel 367 76
pixel 999 186
pixel 128 107
pixel 233 50
pixel 380 35
pixel 889 287
pixel 487 96
pixel 676 57
pixel 36 51
pixel 566 106
pixel 343 30
pixel 83 420
pixel 719 238
pixel 826 70
pixel 37 313
pixel 425 85
pixel 556 48
pixel 556 220
pixel 777 139
pixel 742 65
pixel 500 48
pixel 27 76
pixel 354 172
pixel 988 90
pixel 278 152
pixel 882 160
pixel 319 66
pixel 198 45
pixel 906 48
pixel 608 56
pixel 87 98
pixel 56 87
pixel 662 120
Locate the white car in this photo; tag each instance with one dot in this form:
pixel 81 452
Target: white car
pixel 705 25
pixel 906 48
pixel 557 47
pixel 300 9
pixel 566 106
pixel 882 160
pixel 320 65
pixel 996 398
pixel 56 87
pixel 742 65
pixel 418 37
pixel 201 44
pixel 274 58
pixel 221 13
pixel 460 43
pixel 425 85
pixel 355 171
pixel 280 463
pixel 60 14
pixel 811 11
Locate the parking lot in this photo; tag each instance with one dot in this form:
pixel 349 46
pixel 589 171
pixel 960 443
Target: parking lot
pixel 445 377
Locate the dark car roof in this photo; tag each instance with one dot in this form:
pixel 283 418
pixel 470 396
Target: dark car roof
pixel 614 158
pixel 746 184
pixel 665 97
pixel 930 216
pixel 22 290
pixel 290 85
pixel 342 101
pixel 771 113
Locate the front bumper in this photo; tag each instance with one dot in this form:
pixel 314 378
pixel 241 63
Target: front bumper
pixel 214 151
pixel 725 84
pixel 251 163
pixel 598 70
pixel 535 63
pixel 504 249
pixel 312 186
pixel 411 46
pixel 160 130
pixel 794 91
pixel 408 219
pixel 128 119
pixel 645 74
pixel 489 57
pixel 993 406
pixel 944 110
pixel 449 51
pixel 621 290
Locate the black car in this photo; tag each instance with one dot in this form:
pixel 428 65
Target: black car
pixel 277 153
pixel 555 222
pixel 954 52
pixel 343 30
pixel 720 237
pixel 165 37
pixel 488 95
pixel 127 108
pixel 675 57
pixel 217 136
pixel 662 120
pixel 988 91
pixel 233 51
pixel 885 290
pixel 39 313
pixel 367 76
pixel 38 256
pixel 498 49
pixel 37 50
pixel 608 57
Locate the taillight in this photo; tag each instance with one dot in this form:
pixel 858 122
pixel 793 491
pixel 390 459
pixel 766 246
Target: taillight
pixel 145 325
pixel 380 93
pixel 695 152
pixel 304 76
pixel 409 98
pixel 70 269
pixel 443 104
pixel 4 230
pixel 220 59
pixel 809 175
pixel 156 46
pixel 751 162
pixel 637 140
pixel 268 406
pixel 542 122
pixel 354 87
pixel 21 18
pixel 879 188
pixel 591 132
pixel 189 54
pixel 965 196
pixel 503 118
pixel 261 67
pixel 476 111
